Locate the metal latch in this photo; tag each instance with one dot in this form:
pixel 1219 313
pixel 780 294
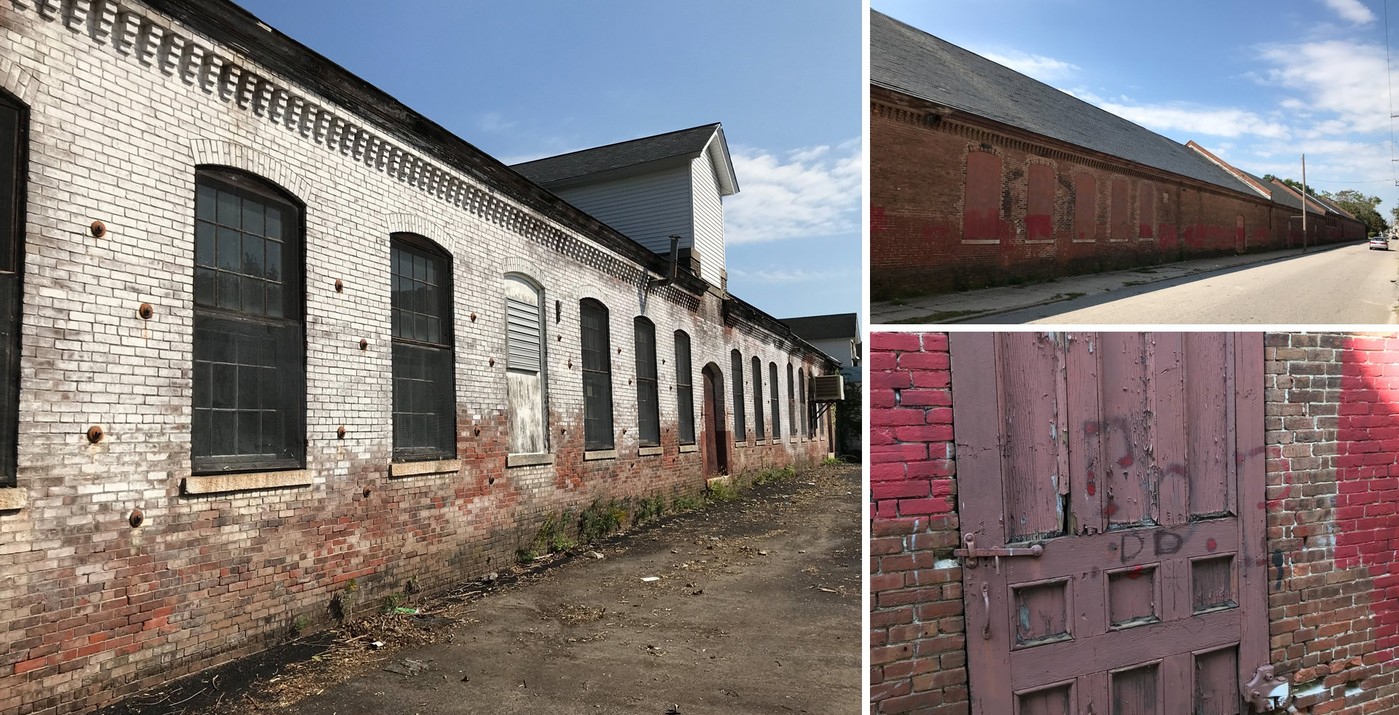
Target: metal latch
pixel 974 552
pixel 1267 693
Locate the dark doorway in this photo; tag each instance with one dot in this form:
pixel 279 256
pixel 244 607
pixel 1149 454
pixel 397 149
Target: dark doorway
pixel 714 439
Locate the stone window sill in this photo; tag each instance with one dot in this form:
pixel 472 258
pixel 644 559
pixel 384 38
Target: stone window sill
pixel 247 481
pixel 650 451
pixel 528 460
pixel 596 454
pixel 418 469
pixel 13 498
pixel 689 448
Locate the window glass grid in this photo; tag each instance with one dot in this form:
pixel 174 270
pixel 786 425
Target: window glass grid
pixel 740 405
pixel 597 376
pixel 648 407
pixel 12 174
pixel 424 387
pixel 773 391
pixel 684 390
pixel 759 428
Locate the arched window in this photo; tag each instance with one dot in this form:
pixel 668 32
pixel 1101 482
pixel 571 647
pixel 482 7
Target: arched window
pixel 759 428
pixel 424 394
pixel 740 407
pixel 14 144
pixel 793 427
pixel 774 390
pixel 597 376
pixel 648 400
pixel 684 388
pixel 249 340
pixel 803 404
pixel 526 388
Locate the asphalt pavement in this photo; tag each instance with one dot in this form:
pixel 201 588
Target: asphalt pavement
pixel 1347 284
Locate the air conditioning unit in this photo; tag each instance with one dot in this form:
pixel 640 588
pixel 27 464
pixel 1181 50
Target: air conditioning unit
pixel 828 388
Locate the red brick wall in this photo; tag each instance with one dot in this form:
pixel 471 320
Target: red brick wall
pixel 1333 486
pixel 917 206
pixel 918 651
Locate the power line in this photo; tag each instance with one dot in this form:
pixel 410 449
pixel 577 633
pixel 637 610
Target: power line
pixel 1389 77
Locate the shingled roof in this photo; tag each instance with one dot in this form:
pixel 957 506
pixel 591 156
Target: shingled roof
pixel 597 160
pixel 907 60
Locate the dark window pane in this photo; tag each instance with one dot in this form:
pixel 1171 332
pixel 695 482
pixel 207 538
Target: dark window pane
pixel 424 409
pixel 273 268
pixel 759 428
pixel 230 213
pixel 252 217
pixel 203 286
pixel 205 199
pixel 273 216
pixel 204 251
pixel 230 250
pixel 249 432
pixel 228 293
pixel 252 296
pixel 276 301
pixel 684 391
pixel 253 248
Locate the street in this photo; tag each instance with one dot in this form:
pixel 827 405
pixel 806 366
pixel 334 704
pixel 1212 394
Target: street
pixel 1351 285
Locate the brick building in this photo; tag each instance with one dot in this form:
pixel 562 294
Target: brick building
pixel 1292 435
pixel 270 338
pixel 981 176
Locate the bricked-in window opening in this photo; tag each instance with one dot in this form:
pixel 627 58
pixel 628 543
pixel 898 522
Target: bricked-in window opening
pixel 526 387
pixel 1146 210
pixel 774 392
pixel 648 401
pixel 1085 207
pixel 249 340
pixel 740 406
pixel 13 143
pixel 597 376
pixel 424 394
pixel 1039 219
pixel 759 426
pixel 1121 208
pixel 982 212
pixel 684 388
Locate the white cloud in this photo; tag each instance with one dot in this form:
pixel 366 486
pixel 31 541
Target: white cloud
pixel 1189 118
pixel 1352 11
pixel 493 122
pixel 1335 77
pixel 787 275
pixel 806 193
pixel 1044 69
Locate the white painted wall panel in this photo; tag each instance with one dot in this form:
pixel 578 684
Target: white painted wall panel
pixel 709 219
pixel 647 209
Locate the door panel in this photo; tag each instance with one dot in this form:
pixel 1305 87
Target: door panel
pixel 1122 456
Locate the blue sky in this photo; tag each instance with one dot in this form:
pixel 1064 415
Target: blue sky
pixel 1256 83
pixel 522 80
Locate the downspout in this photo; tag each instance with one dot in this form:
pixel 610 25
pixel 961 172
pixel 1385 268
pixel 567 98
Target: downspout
pixel 674 265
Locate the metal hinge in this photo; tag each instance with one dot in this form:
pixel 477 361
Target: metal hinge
pixel 973 552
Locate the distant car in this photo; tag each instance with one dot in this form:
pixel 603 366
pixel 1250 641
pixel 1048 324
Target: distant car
pixel 1379 242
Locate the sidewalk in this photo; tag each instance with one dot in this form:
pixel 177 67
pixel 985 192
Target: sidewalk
pixel 956 307
pixel 747 606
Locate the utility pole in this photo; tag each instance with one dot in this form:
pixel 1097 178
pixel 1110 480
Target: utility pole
pixel 1304 203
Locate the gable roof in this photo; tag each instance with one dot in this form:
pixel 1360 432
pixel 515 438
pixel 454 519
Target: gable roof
pixel 825 327
pixel 686 143
pixel 907 60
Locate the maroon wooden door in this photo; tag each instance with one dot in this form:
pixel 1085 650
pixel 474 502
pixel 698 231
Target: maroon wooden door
pixel 1121 474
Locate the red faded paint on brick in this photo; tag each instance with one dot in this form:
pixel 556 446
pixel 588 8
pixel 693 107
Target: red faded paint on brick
pixel 918 656
pixel 930 193
pixel 1332 454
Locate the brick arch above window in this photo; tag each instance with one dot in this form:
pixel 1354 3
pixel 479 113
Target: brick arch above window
pixel 18 81
pixel 418 225
pixel 215 152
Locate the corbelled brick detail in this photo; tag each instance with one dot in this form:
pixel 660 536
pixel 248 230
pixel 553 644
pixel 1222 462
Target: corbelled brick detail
pixel 1333 485
pixel 918 647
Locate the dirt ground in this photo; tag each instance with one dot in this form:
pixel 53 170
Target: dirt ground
pixel 748 606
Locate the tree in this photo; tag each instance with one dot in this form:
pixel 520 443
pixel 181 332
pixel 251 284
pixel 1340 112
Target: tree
pixel 1362 207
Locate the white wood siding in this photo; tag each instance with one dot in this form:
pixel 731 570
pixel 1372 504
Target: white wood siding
pixel 709 218
pixel 646 209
